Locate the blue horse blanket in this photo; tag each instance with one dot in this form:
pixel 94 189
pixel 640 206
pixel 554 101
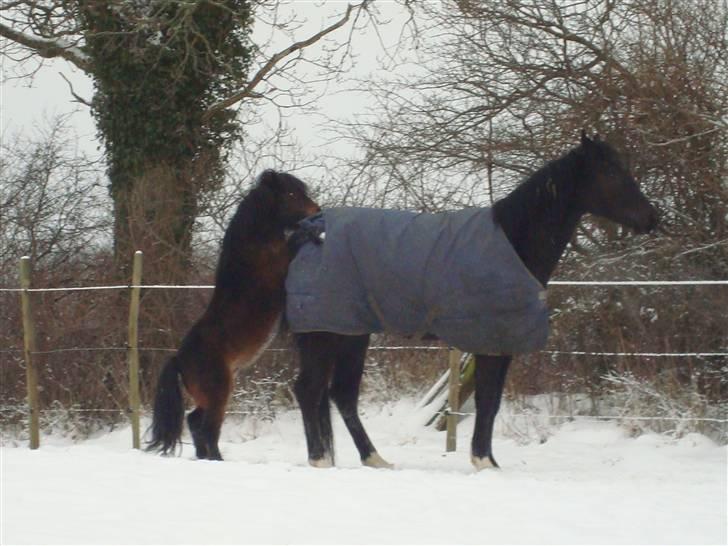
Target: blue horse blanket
pixel 454 275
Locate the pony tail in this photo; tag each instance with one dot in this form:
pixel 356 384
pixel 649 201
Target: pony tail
pixel 169 410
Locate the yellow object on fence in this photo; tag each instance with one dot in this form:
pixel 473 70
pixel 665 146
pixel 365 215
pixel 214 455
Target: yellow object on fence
pixel 453 400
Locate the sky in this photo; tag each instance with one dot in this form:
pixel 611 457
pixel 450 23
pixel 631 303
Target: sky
pixel 27 104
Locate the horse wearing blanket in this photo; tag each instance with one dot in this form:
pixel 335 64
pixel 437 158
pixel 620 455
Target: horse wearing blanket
pixel 453 275
pixel 411 273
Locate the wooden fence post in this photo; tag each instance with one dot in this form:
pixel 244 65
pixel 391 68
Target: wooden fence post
pixel 133 349
pixel 29 347
pixel 454 357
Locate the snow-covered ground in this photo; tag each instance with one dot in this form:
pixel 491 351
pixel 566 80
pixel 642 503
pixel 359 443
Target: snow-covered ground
pixel 589 483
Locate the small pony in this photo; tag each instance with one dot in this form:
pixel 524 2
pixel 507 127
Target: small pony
pixel 538 218
pixel 241 318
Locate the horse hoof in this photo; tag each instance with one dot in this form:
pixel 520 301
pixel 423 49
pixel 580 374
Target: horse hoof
pixel 481 463
pixel 375 461
pixel 321 463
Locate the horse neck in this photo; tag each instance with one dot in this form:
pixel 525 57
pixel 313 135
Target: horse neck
pixel 540 216
pixel 242 255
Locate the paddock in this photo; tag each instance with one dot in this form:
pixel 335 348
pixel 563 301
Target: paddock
pixel 132 407
pixel 588 483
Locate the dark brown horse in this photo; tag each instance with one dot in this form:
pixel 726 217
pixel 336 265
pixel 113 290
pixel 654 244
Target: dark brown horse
pixel 539 219
pixel 241 318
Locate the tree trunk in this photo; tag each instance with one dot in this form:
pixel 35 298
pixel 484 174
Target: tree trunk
pixel 155 213
pixel 158 67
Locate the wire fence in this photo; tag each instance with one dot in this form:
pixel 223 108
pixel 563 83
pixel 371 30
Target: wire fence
pixel 401 348
pixel 601 417
pixel 655 283
pixel 18 409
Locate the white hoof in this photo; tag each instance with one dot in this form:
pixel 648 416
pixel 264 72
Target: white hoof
pixel 375 461
pixel 326 462
pixel 481 463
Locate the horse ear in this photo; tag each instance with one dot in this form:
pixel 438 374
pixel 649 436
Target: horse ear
pixel 597 138
pixel 269 179
pixel 585 139
pixel 265 199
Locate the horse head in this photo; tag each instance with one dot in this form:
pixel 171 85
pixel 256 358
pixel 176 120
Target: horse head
pixel 287 197
pixel 609 189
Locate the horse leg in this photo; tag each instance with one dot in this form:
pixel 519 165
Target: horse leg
pixel 490 378
pixel 311 390
pixel 210 426
pixel 214 416
pixel 345 393
pixel 194 421
pixel 216 386
pixel 327 432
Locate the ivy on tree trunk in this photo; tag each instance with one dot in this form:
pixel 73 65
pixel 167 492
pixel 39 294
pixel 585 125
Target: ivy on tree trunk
pixel 158 67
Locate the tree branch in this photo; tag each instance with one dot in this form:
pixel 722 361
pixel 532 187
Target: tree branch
pixel 48 48
pixel 78 98
pixel 249 90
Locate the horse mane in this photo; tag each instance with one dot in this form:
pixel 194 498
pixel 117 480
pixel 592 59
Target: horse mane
pixel 543 197
pixel 253 224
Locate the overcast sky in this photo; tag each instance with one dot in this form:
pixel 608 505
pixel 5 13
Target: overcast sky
pixel 27 104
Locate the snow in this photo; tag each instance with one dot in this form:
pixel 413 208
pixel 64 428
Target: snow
pixel 588 483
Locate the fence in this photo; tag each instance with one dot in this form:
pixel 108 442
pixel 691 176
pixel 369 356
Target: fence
pixel 132 349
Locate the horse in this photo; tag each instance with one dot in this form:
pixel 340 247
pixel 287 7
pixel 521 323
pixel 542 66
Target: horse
pixel 538 218
pixel 241 318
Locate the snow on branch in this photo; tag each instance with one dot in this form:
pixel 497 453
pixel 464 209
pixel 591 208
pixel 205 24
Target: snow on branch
pixel 48 48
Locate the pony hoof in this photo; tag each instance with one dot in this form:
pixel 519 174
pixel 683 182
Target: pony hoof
pixel 375 461
pixel 481 463
pixel 321 463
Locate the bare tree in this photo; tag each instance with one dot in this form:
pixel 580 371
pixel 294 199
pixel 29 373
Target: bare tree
pixel 502 86
pixel 51 203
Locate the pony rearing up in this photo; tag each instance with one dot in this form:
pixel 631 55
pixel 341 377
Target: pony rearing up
pixel 241 318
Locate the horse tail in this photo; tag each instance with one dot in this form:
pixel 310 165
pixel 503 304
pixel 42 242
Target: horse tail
pixel 169 409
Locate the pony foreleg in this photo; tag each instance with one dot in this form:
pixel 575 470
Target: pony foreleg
pixel 490 378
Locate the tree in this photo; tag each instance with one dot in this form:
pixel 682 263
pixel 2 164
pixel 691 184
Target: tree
pixel 167 75
pixel 49 204
pixel 503 86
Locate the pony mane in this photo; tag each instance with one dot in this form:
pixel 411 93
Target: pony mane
pixel 252 223
pixel 253 215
